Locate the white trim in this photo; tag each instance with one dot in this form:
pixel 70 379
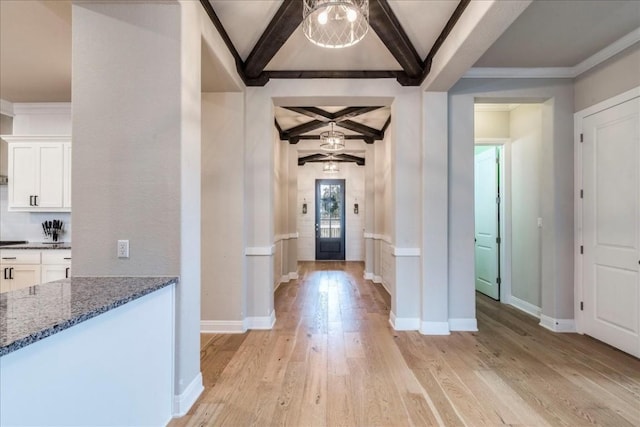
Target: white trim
pixel 376 279
pixel 222 327
pixel 408 252
pixel 557 325
pixel 524 306
pixel 293 235
pixel 260 322
pixel 434 328
pixel 184 401
pixel 404 323
pixel 608 103
pixel 36 138
pixel 577 201
pixel 464 324
pixel 385 285
pixel 519 73
pixel 260 250
pixel 368 276
pixel 41 108
pixel 280 237
pixel 608 52
pixel 557 72
pixel 368 235
pixel 293 275
pixel 6 108
pixel 491 141
pixel 489 107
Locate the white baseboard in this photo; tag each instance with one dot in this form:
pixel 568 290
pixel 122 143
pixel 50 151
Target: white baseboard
pixel 468 324
pixel 368 276
pixel 404 323
pixel 557 325
pixel 184 401
pixel 434 328
pixel 376 279
pixel 527 307
pixel 222 327
pixel 260 322
pixel 293 275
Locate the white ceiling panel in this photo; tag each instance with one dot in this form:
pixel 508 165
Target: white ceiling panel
pixel 562 33
pixel 245 20
pixel 423 21
pixel 298 53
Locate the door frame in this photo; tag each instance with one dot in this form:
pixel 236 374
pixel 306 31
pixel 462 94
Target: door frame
pixel 343 214
pixel 578 119
pixel 504 212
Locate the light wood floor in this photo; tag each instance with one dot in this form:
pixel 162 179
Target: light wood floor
pixel 333 360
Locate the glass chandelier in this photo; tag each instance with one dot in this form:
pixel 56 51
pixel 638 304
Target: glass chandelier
pixel 335 23
pixel 330 167
pixel 332 140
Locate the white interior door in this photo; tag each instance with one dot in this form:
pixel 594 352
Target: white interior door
pixel 486 222
pixel 611 226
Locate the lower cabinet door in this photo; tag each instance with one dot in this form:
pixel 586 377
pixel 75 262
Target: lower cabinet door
pixel 55 272
pixel 22 276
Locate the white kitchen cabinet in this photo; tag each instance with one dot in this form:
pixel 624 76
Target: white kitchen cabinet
pixel 19 269
pixel 39 173
pixel 56 265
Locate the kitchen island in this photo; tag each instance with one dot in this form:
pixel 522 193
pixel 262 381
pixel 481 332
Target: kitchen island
pixel 88 351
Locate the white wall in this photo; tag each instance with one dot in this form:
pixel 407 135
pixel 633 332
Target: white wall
pixel 136 154
pixel 526 150
pixel 222 290
pixel 31 119
pixel 613 77
pixel 354 223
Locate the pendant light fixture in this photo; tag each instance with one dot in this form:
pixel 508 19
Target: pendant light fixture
pixel 335 23
pixel 332 140
pixel 330 167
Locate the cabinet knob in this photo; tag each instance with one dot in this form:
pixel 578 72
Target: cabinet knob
pixel 8 257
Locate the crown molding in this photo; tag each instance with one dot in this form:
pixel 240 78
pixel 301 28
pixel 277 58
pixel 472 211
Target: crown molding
pixel 557 72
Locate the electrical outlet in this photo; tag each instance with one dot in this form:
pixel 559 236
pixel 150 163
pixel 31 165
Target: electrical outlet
pixel 539 222
pixel 123 249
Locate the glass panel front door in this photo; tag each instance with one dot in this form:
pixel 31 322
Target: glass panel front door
pixel 330 219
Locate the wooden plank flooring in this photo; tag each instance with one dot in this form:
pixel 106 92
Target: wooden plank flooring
pixel 333 360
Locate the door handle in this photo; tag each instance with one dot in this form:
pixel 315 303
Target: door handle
pixel 30 200
pixel 35 200
pixel 66 273
pixel 11 273
pixel 5 273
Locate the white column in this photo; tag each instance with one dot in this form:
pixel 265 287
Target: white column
pixel 435 245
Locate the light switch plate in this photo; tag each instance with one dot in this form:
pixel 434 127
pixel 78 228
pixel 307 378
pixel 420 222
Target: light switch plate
pixel 123 249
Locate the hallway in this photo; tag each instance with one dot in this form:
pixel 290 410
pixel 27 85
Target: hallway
pixel 333 359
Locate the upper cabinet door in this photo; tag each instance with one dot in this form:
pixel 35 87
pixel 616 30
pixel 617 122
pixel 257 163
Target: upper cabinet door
pixel 39 173
pixel 50 173
pixel 23 174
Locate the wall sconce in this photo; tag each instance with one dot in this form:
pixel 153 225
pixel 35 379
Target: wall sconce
pixel 355 208
pixel 304 207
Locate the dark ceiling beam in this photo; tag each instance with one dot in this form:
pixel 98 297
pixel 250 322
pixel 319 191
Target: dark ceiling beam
pixel 313 112
pixel 227 40
pixel 282 25
pixel 365 131
pixel 322 158
pixel 317 137
pixel 386 125
pixel 303 128
pixel 351 112
pixel 327 74
pixel 387 27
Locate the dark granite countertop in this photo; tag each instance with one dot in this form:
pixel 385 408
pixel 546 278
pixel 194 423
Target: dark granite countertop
pixel 39 246
pixel 30 314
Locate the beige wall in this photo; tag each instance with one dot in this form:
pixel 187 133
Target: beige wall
pixel 491 124
pixel 526 148
pixel 6 128
pixel 222 206
pixel 614 76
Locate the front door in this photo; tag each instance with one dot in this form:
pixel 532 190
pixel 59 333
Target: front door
pixel 330 219
pixel 487 253
pixel 611 228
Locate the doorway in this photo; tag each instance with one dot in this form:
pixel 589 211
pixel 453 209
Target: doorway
pixel 330 213
pixel 487 204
